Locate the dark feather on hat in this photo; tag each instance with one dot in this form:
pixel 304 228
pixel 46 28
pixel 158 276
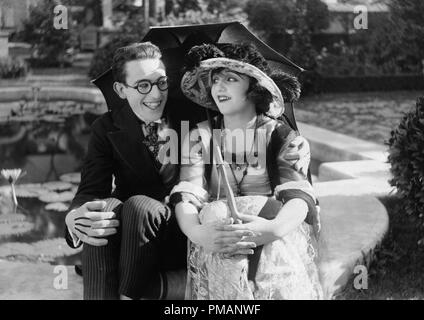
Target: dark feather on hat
pixel 288 85
pixel 200 53
pixel 245 53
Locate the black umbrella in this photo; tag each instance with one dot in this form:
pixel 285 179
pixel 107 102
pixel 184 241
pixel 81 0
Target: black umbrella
pixel 175 42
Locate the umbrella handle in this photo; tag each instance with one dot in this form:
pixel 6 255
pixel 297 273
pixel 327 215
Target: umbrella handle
pixel 231 201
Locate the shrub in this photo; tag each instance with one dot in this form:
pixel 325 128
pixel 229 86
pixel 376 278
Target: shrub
pixel 50 46
pixel 343 60
pixel 12 68
pixel 103 57
pixel 406 156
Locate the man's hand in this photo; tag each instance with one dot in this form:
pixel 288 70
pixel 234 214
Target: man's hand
pixel 90 224
pixel 299 154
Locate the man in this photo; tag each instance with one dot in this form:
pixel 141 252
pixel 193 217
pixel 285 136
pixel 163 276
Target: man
pixel 133 246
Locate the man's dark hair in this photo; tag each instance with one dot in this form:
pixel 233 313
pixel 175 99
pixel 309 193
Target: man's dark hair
pixel 135 51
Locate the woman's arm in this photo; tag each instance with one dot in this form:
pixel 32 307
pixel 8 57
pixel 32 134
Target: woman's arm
pixel 290 187
pixel 188 197
pixel 290 216
pixel 210 235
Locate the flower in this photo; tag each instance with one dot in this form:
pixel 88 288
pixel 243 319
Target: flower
pixel 12 175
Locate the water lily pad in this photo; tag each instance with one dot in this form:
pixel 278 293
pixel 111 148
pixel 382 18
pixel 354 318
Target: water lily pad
pixel 11 218
pixel 57 197
pixel 15 228
pixel 57 206
pixel 53 118
pixel 30 190
pixel 57 185
pixel 24 118
pixel 73 177
pixel 41 251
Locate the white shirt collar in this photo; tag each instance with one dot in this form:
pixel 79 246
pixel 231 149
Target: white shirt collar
pixel 159 121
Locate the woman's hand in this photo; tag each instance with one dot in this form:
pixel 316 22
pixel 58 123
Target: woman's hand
pixel 213 237
pixel 263 229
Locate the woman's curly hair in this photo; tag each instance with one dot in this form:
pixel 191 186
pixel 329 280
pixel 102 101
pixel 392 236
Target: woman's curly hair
pixel 288 85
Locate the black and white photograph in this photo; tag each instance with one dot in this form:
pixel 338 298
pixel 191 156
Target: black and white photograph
pixel 231 151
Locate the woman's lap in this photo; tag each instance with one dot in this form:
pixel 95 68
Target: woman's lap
pixel 286 270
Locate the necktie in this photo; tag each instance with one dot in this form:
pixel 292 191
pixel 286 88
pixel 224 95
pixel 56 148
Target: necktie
pixel 151 138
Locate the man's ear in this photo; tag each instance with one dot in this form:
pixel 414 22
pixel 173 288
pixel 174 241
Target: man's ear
pixel 119 89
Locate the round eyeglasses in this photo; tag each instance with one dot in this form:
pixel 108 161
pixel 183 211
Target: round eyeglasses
pixel 145 86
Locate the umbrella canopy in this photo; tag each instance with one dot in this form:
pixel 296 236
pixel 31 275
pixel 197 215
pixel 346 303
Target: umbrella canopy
pixel 175 42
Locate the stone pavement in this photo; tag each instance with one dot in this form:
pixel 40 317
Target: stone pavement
pixel 38 281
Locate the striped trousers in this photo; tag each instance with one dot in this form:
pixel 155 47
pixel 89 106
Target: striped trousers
pixel 148 242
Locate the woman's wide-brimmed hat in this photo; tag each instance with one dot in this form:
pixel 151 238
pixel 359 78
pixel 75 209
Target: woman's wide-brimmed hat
pixel 196 83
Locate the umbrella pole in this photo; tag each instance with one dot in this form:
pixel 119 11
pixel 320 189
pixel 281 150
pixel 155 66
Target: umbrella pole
pixel 216 151
pixel 231 201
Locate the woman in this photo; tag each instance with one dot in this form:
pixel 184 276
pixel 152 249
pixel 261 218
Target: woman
pixel 273 255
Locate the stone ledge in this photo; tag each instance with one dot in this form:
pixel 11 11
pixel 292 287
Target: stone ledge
pixel 82 94
pixel 352 226
pixel 354 187
pixel 353 169
pixel 349 166
pixel 329 146
pixel 352 174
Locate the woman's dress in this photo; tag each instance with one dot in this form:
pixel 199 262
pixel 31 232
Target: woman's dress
pixel 287 267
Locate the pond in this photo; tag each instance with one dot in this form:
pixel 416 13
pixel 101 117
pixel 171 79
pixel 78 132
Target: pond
pixel 47 140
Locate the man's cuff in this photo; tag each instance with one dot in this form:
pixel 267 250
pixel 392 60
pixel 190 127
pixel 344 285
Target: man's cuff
pixel 75 240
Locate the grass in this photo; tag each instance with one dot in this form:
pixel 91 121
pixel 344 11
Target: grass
pixel 396 271
pixel 366 115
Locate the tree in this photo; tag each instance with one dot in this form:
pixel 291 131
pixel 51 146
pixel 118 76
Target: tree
pixel 408 18
pixel 179 6
pixel 221 6
pixel 269 16
pixel 49 45
pixel 317 16
pixel 393 57
pixel 280 16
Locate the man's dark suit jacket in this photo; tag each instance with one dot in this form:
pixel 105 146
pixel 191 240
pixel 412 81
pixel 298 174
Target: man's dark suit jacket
pixel 116 148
